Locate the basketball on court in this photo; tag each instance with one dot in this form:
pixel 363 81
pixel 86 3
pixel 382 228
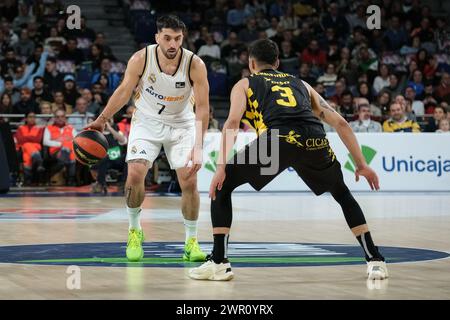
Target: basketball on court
pixel 90 146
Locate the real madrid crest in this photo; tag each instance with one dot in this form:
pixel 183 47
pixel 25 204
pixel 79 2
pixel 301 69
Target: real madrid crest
pixel 152 78
pixel 133 150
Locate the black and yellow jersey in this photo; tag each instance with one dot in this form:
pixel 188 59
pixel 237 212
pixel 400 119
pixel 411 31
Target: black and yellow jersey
pixel 278 100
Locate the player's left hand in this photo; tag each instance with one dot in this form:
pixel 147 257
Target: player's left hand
pixel 370 176
pixel 194 160
pixel 217 182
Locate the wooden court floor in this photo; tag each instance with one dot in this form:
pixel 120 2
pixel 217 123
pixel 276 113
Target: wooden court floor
pixel 404 221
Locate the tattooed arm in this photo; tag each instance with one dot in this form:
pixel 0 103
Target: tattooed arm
pixel 326 113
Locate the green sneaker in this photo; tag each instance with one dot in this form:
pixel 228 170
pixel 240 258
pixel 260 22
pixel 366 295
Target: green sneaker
pixel 192 251
pixel 134 245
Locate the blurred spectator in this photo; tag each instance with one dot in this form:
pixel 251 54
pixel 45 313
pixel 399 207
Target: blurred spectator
pixel 46 109
pixel 114 160
pixel 52 78
pixel 398 121
pixel 346 67
pixel 395 35
pixel 105 68
pixel 99 95
pixel 289 61
pixel 25 104
pixel 412 47
pixel 29 140
pixel 364 91
pixel 70 90
pixel 382 80
pixel 346 105
pixel 60 104
pixel 364 123
pixel 381 106
pixel 444 126
pixel 272 30
pixel 82 116
pixel 442 92
pixel 329 77
pixel 441 35
pixel 395 87
pixel 209 49
pixel 71 52
pixel 277 9
pixel 92 105
pixel 336 21
pixel 54 43
pixel 9 10
pixel 58 138
pixel 39 94
pixel 304 73
pixel 340 89
pixel 125 124
pixel 439 114
pixel 10 63
pixel 24 47
pixel 236 16
pixel 213 123
pixel 289 21
pixel 410 115
pixel 24 78
pixel 235 66
pixel 358 19
pixel 417 105
pixel 9 88
pixel 231 47
pixel 95 56
pixel 261 24
pixel 249 33
pixel 100 41
pixel 314 55
pixel 424 32
pixel 417 84
pixel 23 18
pixel 35 57
pixel 84 31
pixel 6 105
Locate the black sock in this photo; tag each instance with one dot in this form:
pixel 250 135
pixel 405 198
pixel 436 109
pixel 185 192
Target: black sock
pixel 370 250
pixel 219 253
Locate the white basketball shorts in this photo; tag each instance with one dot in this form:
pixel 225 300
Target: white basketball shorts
pixel 148 135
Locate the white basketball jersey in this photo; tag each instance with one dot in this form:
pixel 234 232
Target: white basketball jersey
pixel 168 98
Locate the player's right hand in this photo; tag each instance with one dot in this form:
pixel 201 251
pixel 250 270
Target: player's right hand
pixel 98 125
pixel 370 176
pixel 217 182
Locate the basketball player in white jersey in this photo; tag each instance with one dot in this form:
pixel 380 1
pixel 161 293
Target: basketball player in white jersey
pixel 166 78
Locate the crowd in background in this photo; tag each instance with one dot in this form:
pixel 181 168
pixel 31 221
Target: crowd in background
pixel 394 79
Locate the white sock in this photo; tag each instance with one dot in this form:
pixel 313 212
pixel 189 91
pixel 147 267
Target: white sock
pixel 134 218
pixel 190 227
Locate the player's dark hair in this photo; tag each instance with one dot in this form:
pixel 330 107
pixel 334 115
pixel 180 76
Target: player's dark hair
pixel 264 51
pixel 170 22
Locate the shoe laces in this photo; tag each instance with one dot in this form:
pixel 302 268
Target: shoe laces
pixel 134 240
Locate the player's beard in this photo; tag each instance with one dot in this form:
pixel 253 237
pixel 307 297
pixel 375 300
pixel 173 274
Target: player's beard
pixel 170 54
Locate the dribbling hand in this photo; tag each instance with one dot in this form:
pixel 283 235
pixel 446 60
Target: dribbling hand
pixel 98 125
pixel 370 176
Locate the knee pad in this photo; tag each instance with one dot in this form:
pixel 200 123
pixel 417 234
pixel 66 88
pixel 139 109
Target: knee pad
pixel 221 209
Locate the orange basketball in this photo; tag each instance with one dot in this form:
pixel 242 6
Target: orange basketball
pixel 90 146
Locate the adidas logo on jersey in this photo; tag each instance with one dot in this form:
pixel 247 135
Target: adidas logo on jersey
pixel 143 152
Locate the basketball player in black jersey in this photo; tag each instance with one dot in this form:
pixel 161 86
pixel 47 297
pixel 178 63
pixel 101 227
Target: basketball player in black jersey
pixel 280 106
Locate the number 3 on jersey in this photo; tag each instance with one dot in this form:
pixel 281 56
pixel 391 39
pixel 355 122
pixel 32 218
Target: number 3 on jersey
pixel 288 96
